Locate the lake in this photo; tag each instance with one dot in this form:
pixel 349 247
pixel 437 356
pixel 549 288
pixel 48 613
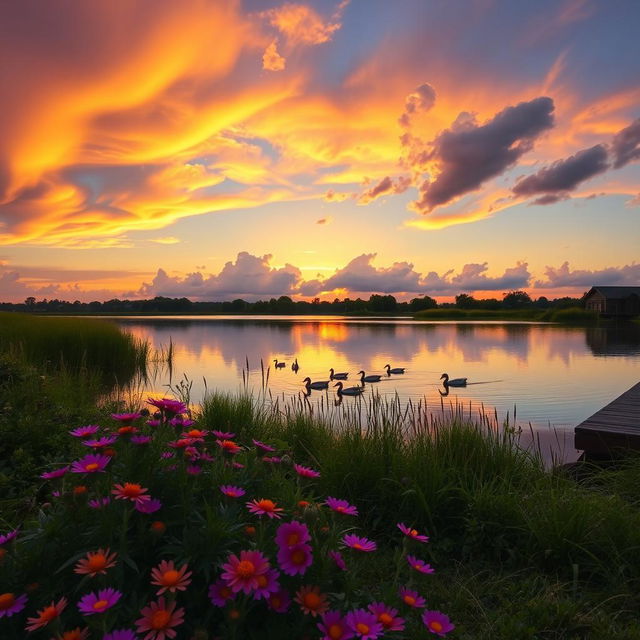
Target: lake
pixel 555 376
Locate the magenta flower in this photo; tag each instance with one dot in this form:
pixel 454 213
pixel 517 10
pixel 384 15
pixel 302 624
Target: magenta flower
pixel 412 533
pixel 364 624
pixel 279 601
pixel 420 565
pixel 57 473
pixel 219 593
pixel 85 432
pixel 205 456
pixel 105 441
pixel 291 534
pixel 237 465
pixel 341 506
pixel 99 602
pixel 9 604
pixel 126 417
pixel 231 491
pixel 387 616
pixel 120 634
pixel 148 506
pixel 295 560
pixel 168 406
pixel 99 503
pixel 358 543
pixel 262 446
pixel 334 626
pixel 437 623
pixel 194 469
pixel 267 584
pixel 412 598
pixel 159 618
pixel 272 459
pixel 241 574
pixel 166 455
pixel 141 439
pixel 306 472
pixel 264 506
pixel 181 423
pixel 8 537
pixel 91 463
pixel 154 423
pixel 224 435
pixel 336 556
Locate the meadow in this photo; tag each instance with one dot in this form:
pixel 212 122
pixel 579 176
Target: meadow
pixel 137 517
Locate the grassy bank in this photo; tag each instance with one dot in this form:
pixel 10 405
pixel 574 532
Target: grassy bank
pixel 571 315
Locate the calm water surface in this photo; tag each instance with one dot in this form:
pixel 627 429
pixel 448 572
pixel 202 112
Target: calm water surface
pixel 555 376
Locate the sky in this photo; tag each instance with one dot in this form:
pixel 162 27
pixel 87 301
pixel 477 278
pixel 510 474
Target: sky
pixel 221 149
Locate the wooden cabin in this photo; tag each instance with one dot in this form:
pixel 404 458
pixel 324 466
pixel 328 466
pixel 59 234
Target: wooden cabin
pixel 613 301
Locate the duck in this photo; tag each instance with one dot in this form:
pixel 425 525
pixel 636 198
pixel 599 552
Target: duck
pixel 320 384
pixel 396 370
pixel 280 365
pixel 338 376
pixel 349 391
pixel 371 378
pixel 455 382
pixel 295 366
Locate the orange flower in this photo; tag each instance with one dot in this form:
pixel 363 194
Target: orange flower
pixel 75 634
pixel 311 601
pixel 96 562
pixel 159 527
pixel 127 429
pixel 168 578
pixel 130 491
pixel 79 490
pixel 46 615
pixel 250 530
pixel 109 451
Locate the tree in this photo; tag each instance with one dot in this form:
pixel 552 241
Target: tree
pixel 465 301
pixel 382 303
pixel 516 300
pixel 419 304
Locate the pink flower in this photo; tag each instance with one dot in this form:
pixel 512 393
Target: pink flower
pixel 364 624
pixel 291 534
pixel 229 447
pixel 262 446
pixel 272 459
pixel 420 565
pixel 387 616
pixel 126 417
pixel 437 623
pixel 57 473
pixel 194 469
pixel 158 619
pixel 46 615
pixel 180 422
pixel 105 441
pixel 168 406
pixel 130 491
pixel 224 435
pixel 412 533
pixel 99 602
pixel 241 574
pixel 8 537
pixel 153 423
pixel 336 556
pixel 263 507
pixel 219 593
pixel 96 562
pixel 231 491
pixel 279 601
pixel 141 439
pixel 341 506
pixel 334 627
pixel 306 472
pixel 148 506
pixel 267 584
pixel 360 544
pixel 412 598
pixel 84 432
pixel 295 560
pixel 9 604
pixel 99 503
pixel 168 578
pixel 91 463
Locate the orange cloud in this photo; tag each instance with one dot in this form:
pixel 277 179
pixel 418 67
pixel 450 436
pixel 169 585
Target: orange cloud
pixel 271 59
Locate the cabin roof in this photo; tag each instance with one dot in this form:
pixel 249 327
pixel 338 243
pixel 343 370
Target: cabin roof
pixel 615 292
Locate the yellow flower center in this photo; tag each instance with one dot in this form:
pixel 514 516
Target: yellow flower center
pixel 92 466
pixel 75 634
pixel 170 578
pixel 435 625
pixel 385 619
pixel 410 600
pixel 267 505
pixel 358 546
pixel 100 604
pixel 160 619
pixel 97 562
pixel 293 539
pixel 298 556
pixel 245 569
pixel 362 628
pixel 311 600
pixel 6 601
pixel 262 581
pixel 413 532
pixel 335 632
pixel 48 614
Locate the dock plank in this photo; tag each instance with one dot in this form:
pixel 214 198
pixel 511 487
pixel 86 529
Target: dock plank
pixel 616 425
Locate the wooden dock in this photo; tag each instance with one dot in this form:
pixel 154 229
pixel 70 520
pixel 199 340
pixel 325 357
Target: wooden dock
pixel 616 426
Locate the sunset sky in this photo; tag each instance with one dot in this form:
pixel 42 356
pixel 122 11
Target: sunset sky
pixel 222 149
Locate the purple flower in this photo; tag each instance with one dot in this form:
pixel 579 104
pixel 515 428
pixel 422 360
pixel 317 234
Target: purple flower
pixel 420 565
pixel 272 459
pixel 91 463
pixel 231 491
pixel 8 537
pixel 148 506
pixel 154 423
pixel 168 454
pixel 387 616
pixel 412 598
pixel 336 556
pixel 262 446
pixel 267 584
pixel 219 593
pixel 126 417
pixel 306 472
pixel 358 543
pixel 99 503
pixel 295 560
pixel 437 623
pixel 121 634
pixel 84 432
pixel 412 533
pixel 194 469
pixel 140 439
pixel 181 422
pixel 364 624
pixel 99 602
pixel 224 435
pixel 291 534
pixel 334 626
pixel 57 473
pixel 168 406
pixel 105 441
pixel 341 506
pixel 9 604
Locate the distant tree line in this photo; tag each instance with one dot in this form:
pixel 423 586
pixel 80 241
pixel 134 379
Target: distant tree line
pixel 285 305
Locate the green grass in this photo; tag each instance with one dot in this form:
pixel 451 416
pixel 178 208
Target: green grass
pixel 572 315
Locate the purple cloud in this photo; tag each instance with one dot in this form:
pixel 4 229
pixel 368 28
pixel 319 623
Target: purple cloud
pixel 563 276
pixel 625 146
